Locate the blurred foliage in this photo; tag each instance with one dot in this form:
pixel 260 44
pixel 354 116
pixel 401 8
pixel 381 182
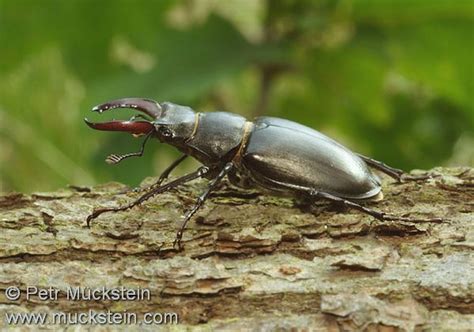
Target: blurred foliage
pixel 389 78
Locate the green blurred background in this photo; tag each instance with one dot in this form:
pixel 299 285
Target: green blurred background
pixel 392 79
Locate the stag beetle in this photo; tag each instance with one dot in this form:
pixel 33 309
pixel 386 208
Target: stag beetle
pixel 275 155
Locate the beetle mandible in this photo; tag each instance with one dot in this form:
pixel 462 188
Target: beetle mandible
pixel 277 155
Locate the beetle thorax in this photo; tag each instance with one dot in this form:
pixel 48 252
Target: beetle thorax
pixel 217 137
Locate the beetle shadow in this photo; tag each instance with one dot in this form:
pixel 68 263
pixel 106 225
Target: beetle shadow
pixel 318 206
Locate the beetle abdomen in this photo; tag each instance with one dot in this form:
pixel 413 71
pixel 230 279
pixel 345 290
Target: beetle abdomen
pixel 283 155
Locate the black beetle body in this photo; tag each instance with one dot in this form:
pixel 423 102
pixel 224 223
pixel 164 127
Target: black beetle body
pixel 265 154
pixel 279 156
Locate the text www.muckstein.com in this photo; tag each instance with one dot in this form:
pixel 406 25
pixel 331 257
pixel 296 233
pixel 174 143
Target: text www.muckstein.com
pixel 92 317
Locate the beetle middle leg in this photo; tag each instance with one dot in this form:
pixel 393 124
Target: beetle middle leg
pixel 155 191
pixel 169 169
pixel 200 201
pixel 165 174
pixel 382 216
pixel 395 173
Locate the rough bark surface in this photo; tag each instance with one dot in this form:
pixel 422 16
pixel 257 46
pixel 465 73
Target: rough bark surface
pixel 251 261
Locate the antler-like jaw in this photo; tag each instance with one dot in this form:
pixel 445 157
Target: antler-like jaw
pixel 147 106
pixel 132 127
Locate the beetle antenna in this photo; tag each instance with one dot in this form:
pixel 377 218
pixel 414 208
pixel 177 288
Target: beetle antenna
pixel 115 158
pixel 141 116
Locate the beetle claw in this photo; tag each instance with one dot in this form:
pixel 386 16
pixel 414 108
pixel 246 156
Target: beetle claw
pixel 177 241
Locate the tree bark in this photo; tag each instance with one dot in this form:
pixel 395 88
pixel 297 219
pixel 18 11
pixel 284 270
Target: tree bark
pixel 250 261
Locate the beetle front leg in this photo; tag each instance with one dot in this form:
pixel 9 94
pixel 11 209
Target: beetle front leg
pixel 382 216
pixel 170 185
pixel 200 201
pixel 395 173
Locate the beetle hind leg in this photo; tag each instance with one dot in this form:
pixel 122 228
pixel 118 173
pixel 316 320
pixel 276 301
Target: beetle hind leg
pixel 394 173
pixel 382 216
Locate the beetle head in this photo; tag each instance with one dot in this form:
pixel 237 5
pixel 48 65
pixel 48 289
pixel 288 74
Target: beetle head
pixel 176 123
pixel 169 122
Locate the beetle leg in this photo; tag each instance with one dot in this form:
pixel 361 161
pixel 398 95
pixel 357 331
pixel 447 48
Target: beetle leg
pixel 382 216
pixel 165 173
pixel 115 159
pixel 395 173
pixel 155 191
pixel 200 201
pixel 169 169
pixel 136 116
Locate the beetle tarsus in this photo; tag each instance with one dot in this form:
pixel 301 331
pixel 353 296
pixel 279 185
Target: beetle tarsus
pixel 95 214
pixel 177 241
pixel 407 177
pixel 115 158
pixel 200 201
pixel 155 191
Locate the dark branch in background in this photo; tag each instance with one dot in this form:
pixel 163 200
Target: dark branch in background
pixel 273 34
pixel 268 74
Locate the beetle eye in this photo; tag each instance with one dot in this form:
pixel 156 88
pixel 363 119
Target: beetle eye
pixel 166 132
